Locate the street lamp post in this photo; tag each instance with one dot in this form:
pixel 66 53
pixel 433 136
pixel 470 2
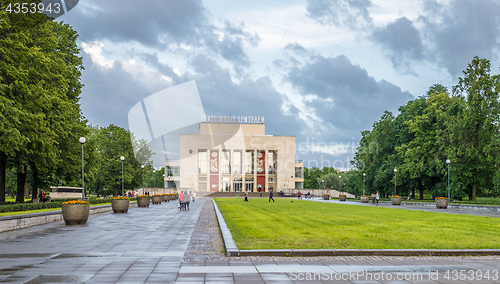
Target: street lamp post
pixel 143 191
pixel 122 158
pixel 340 178
pixel 395 171
pixel 82 141
pixel 449 197
pixel 364 176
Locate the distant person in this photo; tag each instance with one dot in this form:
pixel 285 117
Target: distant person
pixel 308 195
pixel 246 196
pixel 187 200
pixel 193 196
pixel 299 194
pixel 271 196
pixel 377 197
pixel 373 198
pixel 181 200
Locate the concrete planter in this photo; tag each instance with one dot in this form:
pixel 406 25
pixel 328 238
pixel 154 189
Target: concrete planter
pixel 163 198
pixel 75 214
pixel 342 197
pixel 326 197
pixel 396 200
pixel 442 203
pixel 143 201
pixel 120 205
pixel 365 199
pixel 156 199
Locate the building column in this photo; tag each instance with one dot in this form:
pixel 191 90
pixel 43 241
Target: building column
pixel 266 167
pixel 254 170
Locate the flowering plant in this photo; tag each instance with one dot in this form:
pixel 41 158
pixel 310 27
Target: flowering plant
pixel 364 195
pixel 441 197
pixel 341 194
pixel 156 194
pixel 165 194
pixel 326 194
pixel 76 202
pixel 142 196
pixel 396 196
pixel 119 197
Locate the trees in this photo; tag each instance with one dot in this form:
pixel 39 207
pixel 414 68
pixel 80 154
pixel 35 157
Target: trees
pixel 475 132
pixel 39 89
pixel 433 128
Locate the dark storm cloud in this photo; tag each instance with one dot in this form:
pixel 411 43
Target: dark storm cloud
pixel 151 23
pixel 221 96
pixel 108 94
pixel 352 14
pixel 232 45
pixel 463 30
pixel 402 41
pixel 347 97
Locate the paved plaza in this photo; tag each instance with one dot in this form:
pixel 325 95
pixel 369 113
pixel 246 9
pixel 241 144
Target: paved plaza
pixel 160 244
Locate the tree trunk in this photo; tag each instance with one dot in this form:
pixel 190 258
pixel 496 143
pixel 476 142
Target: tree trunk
pixel 21 180
pixel 34 191
pixel 421 191
pixel 3 165
pixel 474 190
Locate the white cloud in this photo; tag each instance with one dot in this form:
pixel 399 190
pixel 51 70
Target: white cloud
pixel 94 49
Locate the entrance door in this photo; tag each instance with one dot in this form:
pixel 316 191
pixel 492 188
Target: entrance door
pixel 237 184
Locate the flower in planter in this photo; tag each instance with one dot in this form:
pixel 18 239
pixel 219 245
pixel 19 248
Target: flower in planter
pixel 120 197
pixel 441 197
pixel 156 194
pixel 142 196
pixel 76 202
pixel 396 196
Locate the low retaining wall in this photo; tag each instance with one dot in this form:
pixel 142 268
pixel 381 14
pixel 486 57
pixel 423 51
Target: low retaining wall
pixel 9 223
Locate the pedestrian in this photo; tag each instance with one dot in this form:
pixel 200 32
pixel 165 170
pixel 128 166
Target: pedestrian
pixel 299 194
pixel 377 197
pixel 246 196
pixel 181 200
pixel 194 195
pixel 271 196
pixel 187 200
pixel 373 199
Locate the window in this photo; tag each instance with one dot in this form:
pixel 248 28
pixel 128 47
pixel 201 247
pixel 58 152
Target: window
pixel 271 162
pixel 226 162
pixel 249 162
pixel 237 162
pixel 202 161
pixel 299 172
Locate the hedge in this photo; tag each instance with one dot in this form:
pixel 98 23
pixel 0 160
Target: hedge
pixel 15 207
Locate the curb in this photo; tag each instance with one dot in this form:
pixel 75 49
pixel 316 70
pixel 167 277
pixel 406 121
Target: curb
pixel 232 249
pixel 229 244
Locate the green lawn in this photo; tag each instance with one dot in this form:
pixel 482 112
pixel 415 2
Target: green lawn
pixel 258 224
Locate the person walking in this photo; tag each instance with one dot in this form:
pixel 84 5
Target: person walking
pixel 187 200
pixel 377 197
pixel 271 196
pixel 181 200
pixel 373 199
pixel 246 196
pixel 194 195
pixel 299 194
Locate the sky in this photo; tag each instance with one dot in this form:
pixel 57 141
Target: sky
pixel 320 70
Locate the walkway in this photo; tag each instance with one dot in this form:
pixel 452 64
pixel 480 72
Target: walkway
pixel 163 245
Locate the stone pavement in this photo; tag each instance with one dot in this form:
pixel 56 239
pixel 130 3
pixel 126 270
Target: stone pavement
pixel 163 245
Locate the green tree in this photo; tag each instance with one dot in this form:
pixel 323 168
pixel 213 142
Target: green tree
pixel 39 89
pixel 475 132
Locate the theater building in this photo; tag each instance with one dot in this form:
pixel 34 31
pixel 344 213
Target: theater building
pixel 233 154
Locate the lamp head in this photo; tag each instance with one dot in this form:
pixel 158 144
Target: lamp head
pixel 364 174
pixel 82 140
pixel 448 161
pixel 142 166
pixel 395 170
pixel 122 158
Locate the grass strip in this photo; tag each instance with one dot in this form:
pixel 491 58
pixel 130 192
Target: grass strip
pixel 303 224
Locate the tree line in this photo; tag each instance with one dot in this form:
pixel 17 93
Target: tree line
pixel 461 127
pixel 41 119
